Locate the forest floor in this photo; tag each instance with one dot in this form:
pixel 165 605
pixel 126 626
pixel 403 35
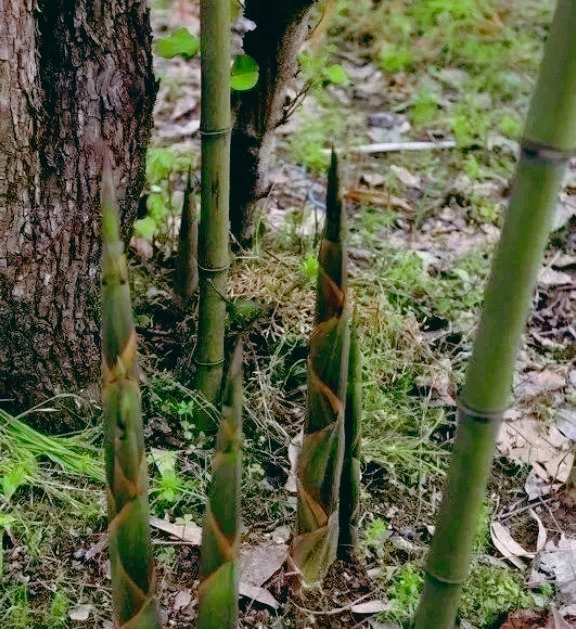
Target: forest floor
pixel 422 228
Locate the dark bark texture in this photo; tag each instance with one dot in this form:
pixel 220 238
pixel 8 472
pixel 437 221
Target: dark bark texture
pixel 281 29
pixel 73 74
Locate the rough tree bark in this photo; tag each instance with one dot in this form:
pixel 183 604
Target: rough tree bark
pixel 72 73
pixel 274 44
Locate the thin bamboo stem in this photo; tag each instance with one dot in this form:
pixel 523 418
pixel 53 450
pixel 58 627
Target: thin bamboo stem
pixel 549 139
pixel 213 255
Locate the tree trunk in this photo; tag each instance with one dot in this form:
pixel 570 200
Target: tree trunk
pixel 274 44
pixel 72 74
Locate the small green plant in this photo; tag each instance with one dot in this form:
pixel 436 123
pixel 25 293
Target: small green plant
pixel 168 485
pixel 510 125
pixel 57 616
pixel 319 72
pixel 404 591
pixel 373 539
pixel 163 167
pixel 19 610
pixel 309 267
pixel 396 58
pixel 424 108
pixel 489 591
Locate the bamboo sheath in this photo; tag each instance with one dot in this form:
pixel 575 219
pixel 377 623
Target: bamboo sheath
pixel 319 465
pixel 219 571
pixel 213 256
pixel 350 482
pixel 549 140
pixel 187 270
pixel 130 546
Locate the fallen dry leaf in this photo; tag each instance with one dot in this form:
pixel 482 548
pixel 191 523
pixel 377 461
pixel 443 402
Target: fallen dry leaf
pixel 557 621
pixel 566 423
pixel 370 607
pixel 182 599
pixel 542 531
pixel 186 532
pixel 80 612
pixel 261 562
pixel 508 546
pixel 550 277
pixel 406 177
pixel 259 594
pixel 536 383
pixel 523 619
pixel 529 440
pixel 373 180
pixel 293 452
pixel 379 198
pixel 557 562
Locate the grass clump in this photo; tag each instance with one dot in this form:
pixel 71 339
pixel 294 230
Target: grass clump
pixel 491 591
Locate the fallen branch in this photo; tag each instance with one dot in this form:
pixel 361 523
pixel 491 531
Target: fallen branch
pixel 390 147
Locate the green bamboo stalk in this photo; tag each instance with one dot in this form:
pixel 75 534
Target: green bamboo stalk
pixel 219 565
pixel 549 139
pixel 320 462
pixel 187 271
pixel 350 482
pixel 215 127
pixel 130 546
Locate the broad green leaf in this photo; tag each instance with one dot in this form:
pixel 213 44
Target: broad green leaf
pixel 180 42
pixel 336 74
pixel 165 460
pixel 244 73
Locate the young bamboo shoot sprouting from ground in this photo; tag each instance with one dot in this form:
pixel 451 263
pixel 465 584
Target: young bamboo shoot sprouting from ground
pixel 350 482
pixel 187 271
pixel 548 142
pixel 320 462
pixel 219 564
pixel 130 547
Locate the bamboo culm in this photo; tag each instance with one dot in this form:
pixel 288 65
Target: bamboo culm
pixel 213 241
pixel 549 140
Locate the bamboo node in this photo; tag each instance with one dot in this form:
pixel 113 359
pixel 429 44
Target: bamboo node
pixel 543 153
pixel 467 414
pixel 213 270
pixel 211 363
pixel 215 133
pixel 444 580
